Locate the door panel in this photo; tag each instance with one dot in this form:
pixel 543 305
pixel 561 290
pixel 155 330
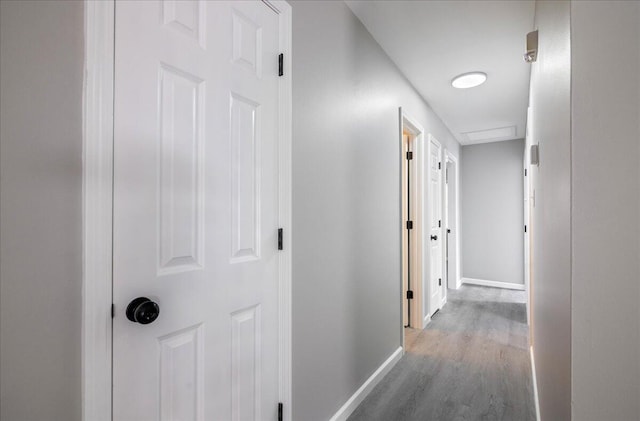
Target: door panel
pixel 435 229
pixel 182 374
pixel 195 210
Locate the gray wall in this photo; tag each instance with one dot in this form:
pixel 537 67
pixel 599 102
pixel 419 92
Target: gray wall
pixel 586 319
pixel 605 185
pixel 550 101
pixel 492 211
pixel 346 204
pixel 41 63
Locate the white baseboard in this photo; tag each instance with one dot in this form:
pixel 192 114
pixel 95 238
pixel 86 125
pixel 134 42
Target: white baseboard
pixel 495 284
pixel 366 388
pixel 427 320
pixel 535 384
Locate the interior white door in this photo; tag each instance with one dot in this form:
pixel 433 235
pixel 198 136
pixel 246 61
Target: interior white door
pixel 196 210
pixel 435 225
pixel 451 233
pixel 446 270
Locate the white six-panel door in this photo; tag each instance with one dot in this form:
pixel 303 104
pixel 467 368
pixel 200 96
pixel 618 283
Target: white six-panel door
pixel 196 210
pixel 436 293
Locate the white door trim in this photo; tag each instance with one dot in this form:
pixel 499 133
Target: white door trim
pixel 97 224
pixel 528 187
pixel 97 189
pixel 411 125
pixel 285 206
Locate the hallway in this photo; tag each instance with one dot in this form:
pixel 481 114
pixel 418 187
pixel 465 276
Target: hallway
pixel 470 363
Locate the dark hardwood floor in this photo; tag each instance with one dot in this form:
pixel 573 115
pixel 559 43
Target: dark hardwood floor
pixel 470 363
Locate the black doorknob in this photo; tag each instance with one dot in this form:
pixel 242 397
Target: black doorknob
pixel 434 237
pixel 142 310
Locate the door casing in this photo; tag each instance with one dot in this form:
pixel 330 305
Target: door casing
pixel 431 196
pixel 97 202
pixel 529 201
pixel 410 125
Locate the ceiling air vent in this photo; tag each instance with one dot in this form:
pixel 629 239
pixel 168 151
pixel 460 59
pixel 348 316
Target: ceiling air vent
pixel 490 135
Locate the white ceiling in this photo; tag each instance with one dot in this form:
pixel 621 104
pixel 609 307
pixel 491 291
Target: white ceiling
pixel 433 41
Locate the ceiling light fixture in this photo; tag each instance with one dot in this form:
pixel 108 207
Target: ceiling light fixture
pixel 469 80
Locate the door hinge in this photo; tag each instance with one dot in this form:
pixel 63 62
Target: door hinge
pixel 439 223
pixel 448 231
pixel 525 172
pixel 280 247
pixel 113 310
pixel 409 225
pixel 409 156
pixel 525 228
pixel 281 65
pixel 280 411
pixel 439 282
pixel 409 295
pixel 439 165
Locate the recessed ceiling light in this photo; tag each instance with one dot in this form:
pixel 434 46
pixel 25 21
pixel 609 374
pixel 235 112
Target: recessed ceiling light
pixel 469 80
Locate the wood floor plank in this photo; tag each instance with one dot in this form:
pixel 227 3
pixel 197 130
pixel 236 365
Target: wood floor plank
pixel 471 363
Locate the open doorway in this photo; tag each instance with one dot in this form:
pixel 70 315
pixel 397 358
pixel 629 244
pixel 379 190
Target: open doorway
pixel 412 190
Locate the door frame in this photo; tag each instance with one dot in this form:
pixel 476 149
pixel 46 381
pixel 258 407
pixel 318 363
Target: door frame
pixel 97 203
pixel 428 216
pixel 451 158
pixel 412 126
pixel 528 220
